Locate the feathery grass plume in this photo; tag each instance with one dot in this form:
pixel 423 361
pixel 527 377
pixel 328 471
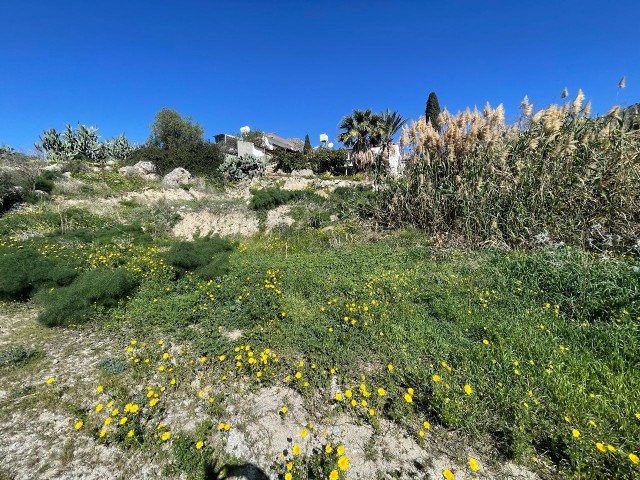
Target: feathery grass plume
pixel 478 168
pixel 577 102
pixel 565 93
pixel 622 83
pixel 613 111
pixel 526 107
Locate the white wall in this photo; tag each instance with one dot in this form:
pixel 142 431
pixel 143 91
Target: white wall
pixel 249 149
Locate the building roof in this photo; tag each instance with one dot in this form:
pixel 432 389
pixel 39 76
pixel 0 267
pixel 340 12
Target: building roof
pixel 281 142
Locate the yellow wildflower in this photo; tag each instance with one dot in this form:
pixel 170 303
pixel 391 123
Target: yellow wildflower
pixel 130 433
pixel 303 433
pixel 78 425
pixel 165 436
pixel 340 450
pixel 99 388
pixel 634 458
pixel 50 380
pixel 328 448
pixel 199 444
pixel 473 464
pixel 99 407
pixel 448 474
pixel 436 378
pixel 467 389
pixel 334 475
pixel 343 463
pixel 296 449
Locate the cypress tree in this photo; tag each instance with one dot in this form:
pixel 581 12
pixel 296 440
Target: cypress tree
pixel 433 110
pixel 307 144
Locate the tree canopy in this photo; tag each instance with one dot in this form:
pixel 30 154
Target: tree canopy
pixel 432 111
pixel 170 130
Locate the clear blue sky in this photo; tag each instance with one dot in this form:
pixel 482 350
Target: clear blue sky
pixel 296 67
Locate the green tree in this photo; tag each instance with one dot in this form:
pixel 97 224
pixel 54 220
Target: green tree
pixel 169 130
pixel 307 144
pixel 433 110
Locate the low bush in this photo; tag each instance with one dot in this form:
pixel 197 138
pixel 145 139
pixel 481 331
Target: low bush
pixel 76 303
pixel 268 198
pixel 207 257
pixel 46 180
pixel 26 271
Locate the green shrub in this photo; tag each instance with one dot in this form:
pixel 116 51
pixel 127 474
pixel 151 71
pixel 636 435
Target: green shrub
pixel 288 161
pixel 200 158
pixel 268 198
pixel 206 256
pixel 324 160
pixel 77 302
pixel 26 271
pixel 46 180
pixel 16 355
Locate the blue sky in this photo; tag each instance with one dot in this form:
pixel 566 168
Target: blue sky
pixel 296 67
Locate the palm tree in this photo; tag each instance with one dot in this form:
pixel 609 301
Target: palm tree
pixel 358 131
pixel 387 126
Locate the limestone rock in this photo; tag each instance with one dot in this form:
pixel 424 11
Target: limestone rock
pixel 176 178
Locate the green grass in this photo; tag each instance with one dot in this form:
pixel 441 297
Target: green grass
pixel 548 341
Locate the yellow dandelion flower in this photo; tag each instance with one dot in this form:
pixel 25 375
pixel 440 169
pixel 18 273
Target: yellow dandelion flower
pixel 99 407
pixel 50 381
pixel 165 436
pixel 611 448
pixel 130 433
pixel 288 476
pixel 348 393
pixel 199 444
pixel 343 463
pixel 115 412
pixel 340 450
pixel 99 388
pixel 467 389
pixel 107 421
pixel 339 397
pixel 408 398
pixel 575 432
pixel 110 404
pixel 436 378
pixel 381 392
pixel 334 475
pixel 134 408
pixel 102 433
pixel 153 402
pixel 78 425
pixel 473 464
pixel 421 433
pixel 372 412
pixel 165 355
pixel 123 420
pixel 485 341
pixel 290 466
pixel 601 447
pixel 298 375
pixel 304 433
pixel 448 474
pixel 296 449
pixel 426 425
pixel 390 367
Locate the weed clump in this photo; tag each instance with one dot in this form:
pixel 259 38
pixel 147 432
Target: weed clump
pixel 17 355
pixel 76 303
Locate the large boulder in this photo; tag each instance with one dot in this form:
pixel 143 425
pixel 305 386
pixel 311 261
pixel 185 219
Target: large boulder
pixel 176 178
pixel 145 168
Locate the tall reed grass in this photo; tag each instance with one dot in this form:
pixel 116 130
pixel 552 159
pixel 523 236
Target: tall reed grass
pixel 557 172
